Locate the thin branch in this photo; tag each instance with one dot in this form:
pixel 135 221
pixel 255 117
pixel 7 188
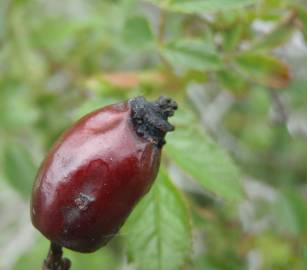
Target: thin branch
pixel 172 78
pixel 285 117
pixel 162 26
pixel 161 37
pixel 54 260
pixel 279 107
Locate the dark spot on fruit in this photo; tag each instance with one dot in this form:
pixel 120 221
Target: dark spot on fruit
pixel 83 201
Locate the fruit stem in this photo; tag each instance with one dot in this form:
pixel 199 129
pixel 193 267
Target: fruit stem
pixel 54 260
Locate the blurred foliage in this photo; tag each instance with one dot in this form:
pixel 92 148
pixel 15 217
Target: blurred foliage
pixel 232 190
pixel 98 260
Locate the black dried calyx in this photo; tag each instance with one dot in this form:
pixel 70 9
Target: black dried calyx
pixel 150 118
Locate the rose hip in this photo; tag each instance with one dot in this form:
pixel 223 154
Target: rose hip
pixel 98 170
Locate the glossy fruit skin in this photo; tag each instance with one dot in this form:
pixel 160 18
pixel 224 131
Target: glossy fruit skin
pixel 92 178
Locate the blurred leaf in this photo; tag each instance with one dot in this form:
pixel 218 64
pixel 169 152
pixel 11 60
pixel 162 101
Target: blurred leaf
pixel 101 259
pixel 291 212
pixel 123 80
pixel 212 262
pixel 258 104
pixel 24 113
pixel 274 39
pixel 276 253
pixel 302 13
pixel 60 32
pixel 305 256
pixel 158 231
pixel 200 6
pixel 264 69
pixel 33 258
pixel 192 54
pixel 19 168
pixel 257 136
pixel 231 80
pixel 2 19
pixel 130 80
pixel 137 32
pixel 202 159
pixel 26 60
pixel 92 105
pixel 232 37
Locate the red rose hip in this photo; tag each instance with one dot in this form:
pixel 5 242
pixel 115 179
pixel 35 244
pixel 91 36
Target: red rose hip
pixel 98 170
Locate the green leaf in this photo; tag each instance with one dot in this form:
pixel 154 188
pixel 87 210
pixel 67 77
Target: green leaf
pixel 264 69
pixel 192 54
pixel 276 252
pixel 232 37
pixel 231 80
pixel 19 168
pixel 25 113
pixel 201 158
pixel 59 33
pixel 305 256
pixel 159 233
pixel 302 13
pixel 200 6
pixel 290 211
pixel 137 32
pixel 274 39
pixel 2 19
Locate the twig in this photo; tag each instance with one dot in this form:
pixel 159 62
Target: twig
pixel 169 72
pixel 279 107
pixel 284 117
pixel 54 260
pixel 162 26
pixel 161 37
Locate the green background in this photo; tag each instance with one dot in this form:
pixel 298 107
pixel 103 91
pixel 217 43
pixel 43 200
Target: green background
pixel 232 191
